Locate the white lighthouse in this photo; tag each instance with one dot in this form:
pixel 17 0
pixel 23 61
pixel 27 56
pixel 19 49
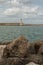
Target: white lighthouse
pixel 21 22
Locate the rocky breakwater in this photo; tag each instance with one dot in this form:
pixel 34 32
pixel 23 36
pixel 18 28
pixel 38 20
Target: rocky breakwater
pixel 21 52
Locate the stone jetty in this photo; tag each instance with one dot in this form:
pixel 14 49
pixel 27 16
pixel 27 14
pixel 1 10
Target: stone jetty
pixel 21 52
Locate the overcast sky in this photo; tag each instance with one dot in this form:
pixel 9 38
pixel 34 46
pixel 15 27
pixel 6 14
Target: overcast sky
pixel 30 11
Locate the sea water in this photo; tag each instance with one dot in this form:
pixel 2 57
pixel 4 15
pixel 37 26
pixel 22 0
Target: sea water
pixel 32 33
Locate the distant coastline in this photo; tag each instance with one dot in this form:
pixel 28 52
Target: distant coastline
pixel 18 24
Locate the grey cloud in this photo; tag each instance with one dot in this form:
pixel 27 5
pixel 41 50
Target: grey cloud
pixel 25 1
pixel 3 2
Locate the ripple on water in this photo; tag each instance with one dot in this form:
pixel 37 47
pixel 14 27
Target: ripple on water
pixel 30 32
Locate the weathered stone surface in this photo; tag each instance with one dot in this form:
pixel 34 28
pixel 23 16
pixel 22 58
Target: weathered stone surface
pixel 32 63
pixel 36 58
pixel 35 52
pixel 41 50
pixel 24 51
pixel 10 61
pixel 35 46
pixel 17 48
pixel 1 50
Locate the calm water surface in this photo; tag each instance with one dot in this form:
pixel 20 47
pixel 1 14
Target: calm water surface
pixel 32 33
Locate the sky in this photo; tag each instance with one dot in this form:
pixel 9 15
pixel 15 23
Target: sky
pixel 30 11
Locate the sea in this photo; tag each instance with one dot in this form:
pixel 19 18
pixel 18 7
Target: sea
pixel 32 33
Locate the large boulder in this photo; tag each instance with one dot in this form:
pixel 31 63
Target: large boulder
pixel 35 52
pixel 17 48
pixel 35 46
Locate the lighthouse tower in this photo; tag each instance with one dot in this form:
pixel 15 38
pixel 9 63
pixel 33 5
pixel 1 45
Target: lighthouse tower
pixel 21 22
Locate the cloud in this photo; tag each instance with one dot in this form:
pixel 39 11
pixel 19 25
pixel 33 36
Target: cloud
pixel 13 2
pixel 24 11
pixel 25 1
pixel 11 11
pixel 29 9
pixel 19 2
pixel 3 1
pixel 40 12
pixel 29 12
